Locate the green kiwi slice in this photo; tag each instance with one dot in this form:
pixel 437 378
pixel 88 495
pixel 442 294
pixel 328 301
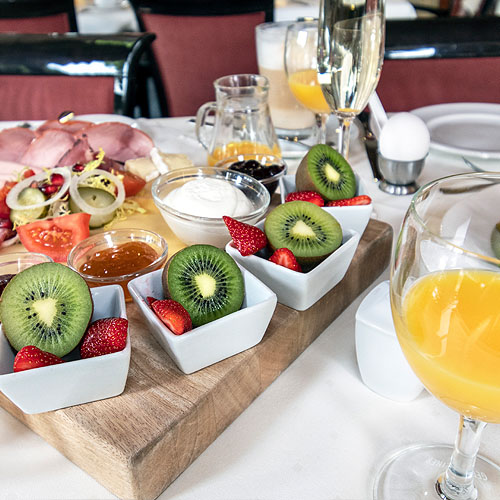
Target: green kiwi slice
pixel 326 171
pixel 495 240
pixel 206 281
pixel 307 230
pixel 47 305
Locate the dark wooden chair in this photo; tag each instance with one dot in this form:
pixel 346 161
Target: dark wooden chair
pixel 197 42
pixel 440 60
pixel 42 75
pixel 37 16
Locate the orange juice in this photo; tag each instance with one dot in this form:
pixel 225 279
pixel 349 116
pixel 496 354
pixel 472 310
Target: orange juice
pixel 306 89
pixel 243 147
pixel 449 330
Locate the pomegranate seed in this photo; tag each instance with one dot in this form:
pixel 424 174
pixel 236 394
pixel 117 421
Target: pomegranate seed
pixel 57 179
pixel 78 167
pixel 49 189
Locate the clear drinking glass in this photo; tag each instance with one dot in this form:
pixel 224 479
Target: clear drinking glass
pixel 301 46
pixel 290 118
pixel 445 289
pixel 350 55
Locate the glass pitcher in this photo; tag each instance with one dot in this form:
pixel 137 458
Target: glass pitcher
pixel 242 120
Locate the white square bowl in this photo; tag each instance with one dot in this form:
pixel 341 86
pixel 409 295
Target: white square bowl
pixel 73 382
pixel 217 340
pixel 301 290
pixel 355 217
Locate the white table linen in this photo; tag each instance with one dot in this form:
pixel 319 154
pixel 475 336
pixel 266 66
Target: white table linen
pixel 317 432
pixel 115 19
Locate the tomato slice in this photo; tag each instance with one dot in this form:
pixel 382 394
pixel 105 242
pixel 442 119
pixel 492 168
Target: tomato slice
pixel 132 183
pixel 55 237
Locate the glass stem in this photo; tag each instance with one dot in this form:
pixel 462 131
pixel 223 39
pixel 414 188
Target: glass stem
pixel 457 483
pixel 344 129
pixel 321 119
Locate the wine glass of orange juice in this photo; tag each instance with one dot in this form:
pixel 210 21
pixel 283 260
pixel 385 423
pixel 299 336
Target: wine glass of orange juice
pixel 242 123
pixel 445 294
pixel 301 44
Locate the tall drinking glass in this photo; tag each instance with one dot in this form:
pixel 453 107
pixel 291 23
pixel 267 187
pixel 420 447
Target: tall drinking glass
pixel 301 46
pixel 350 55
pixel 290 118
pixel 445 290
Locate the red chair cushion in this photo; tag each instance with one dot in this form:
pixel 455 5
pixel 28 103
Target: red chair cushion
pixel 57 23
pixel 193 51
pixel 33 97
pixel 408 84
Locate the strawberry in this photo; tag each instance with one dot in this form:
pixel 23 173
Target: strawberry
pixel 104 336
pixel 173 315
pixel 246 238
pixel 32 357
pixel 311 196
pixel 284 257
pixel 150 300
pixel 350 202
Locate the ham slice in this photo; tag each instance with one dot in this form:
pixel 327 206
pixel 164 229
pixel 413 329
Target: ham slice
pixel 119 141
pixel 79 153
pixel 14 142
pixel 72 126
pixel 9 170
pixel 48 148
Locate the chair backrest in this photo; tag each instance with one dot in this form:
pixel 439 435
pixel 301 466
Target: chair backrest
pixel 440 60
pixel 37 16
pixel 42 75
pixel 198 42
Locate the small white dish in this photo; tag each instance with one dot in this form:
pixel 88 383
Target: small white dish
pixel 76 381
pixel 301 290
pixel 355 217
pixel 215 341
pixel 381 362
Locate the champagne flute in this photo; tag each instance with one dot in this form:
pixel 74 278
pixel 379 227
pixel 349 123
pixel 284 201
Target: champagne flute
pixel 445 286
pixel 301 45
pixel 350 55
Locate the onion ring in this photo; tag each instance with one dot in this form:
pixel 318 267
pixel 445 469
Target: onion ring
pixel 13 195
pixel 83 205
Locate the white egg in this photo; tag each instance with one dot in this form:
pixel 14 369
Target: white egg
pixel 405 137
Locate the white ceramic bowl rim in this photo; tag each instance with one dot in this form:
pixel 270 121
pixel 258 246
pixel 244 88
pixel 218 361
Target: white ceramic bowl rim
pixel 124 277
pixel 197 172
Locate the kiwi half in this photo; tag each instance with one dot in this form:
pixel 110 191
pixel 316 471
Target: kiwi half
pixel 310 232
pixel 206 281
pixel 47 305
pixel 326 171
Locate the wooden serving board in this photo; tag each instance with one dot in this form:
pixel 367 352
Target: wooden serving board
pixel 137 443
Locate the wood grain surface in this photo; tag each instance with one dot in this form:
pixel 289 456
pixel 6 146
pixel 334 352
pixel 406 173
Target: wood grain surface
pixel 137 443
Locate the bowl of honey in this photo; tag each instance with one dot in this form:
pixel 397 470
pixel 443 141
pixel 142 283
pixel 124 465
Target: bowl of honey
pixel 118 256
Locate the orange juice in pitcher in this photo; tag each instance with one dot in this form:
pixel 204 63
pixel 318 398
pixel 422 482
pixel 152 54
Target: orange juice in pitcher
pixel 242 120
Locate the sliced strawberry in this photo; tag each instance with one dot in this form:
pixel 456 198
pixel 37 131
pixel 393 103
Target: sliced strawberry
pixel 311 196
pixel 246 238
pixel 284 257
pixel 32 357
pixel 104 336
pixel 350 202
pixel 173 315
pixel 150 300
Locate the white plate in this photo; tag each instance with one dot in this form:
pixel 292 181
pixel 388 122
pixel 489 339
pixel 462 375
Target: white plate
pixel 466 129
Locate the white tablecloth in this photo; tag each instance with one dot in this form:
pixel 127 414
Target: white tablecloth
pixel 317 432
pixel 93 19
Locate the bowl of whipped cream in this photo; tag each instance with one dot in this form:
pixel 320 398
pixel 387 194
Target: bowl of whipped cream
pixel 193 201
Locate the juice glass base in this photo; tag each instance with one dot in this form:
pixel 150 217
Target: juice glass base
pixel 411 474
